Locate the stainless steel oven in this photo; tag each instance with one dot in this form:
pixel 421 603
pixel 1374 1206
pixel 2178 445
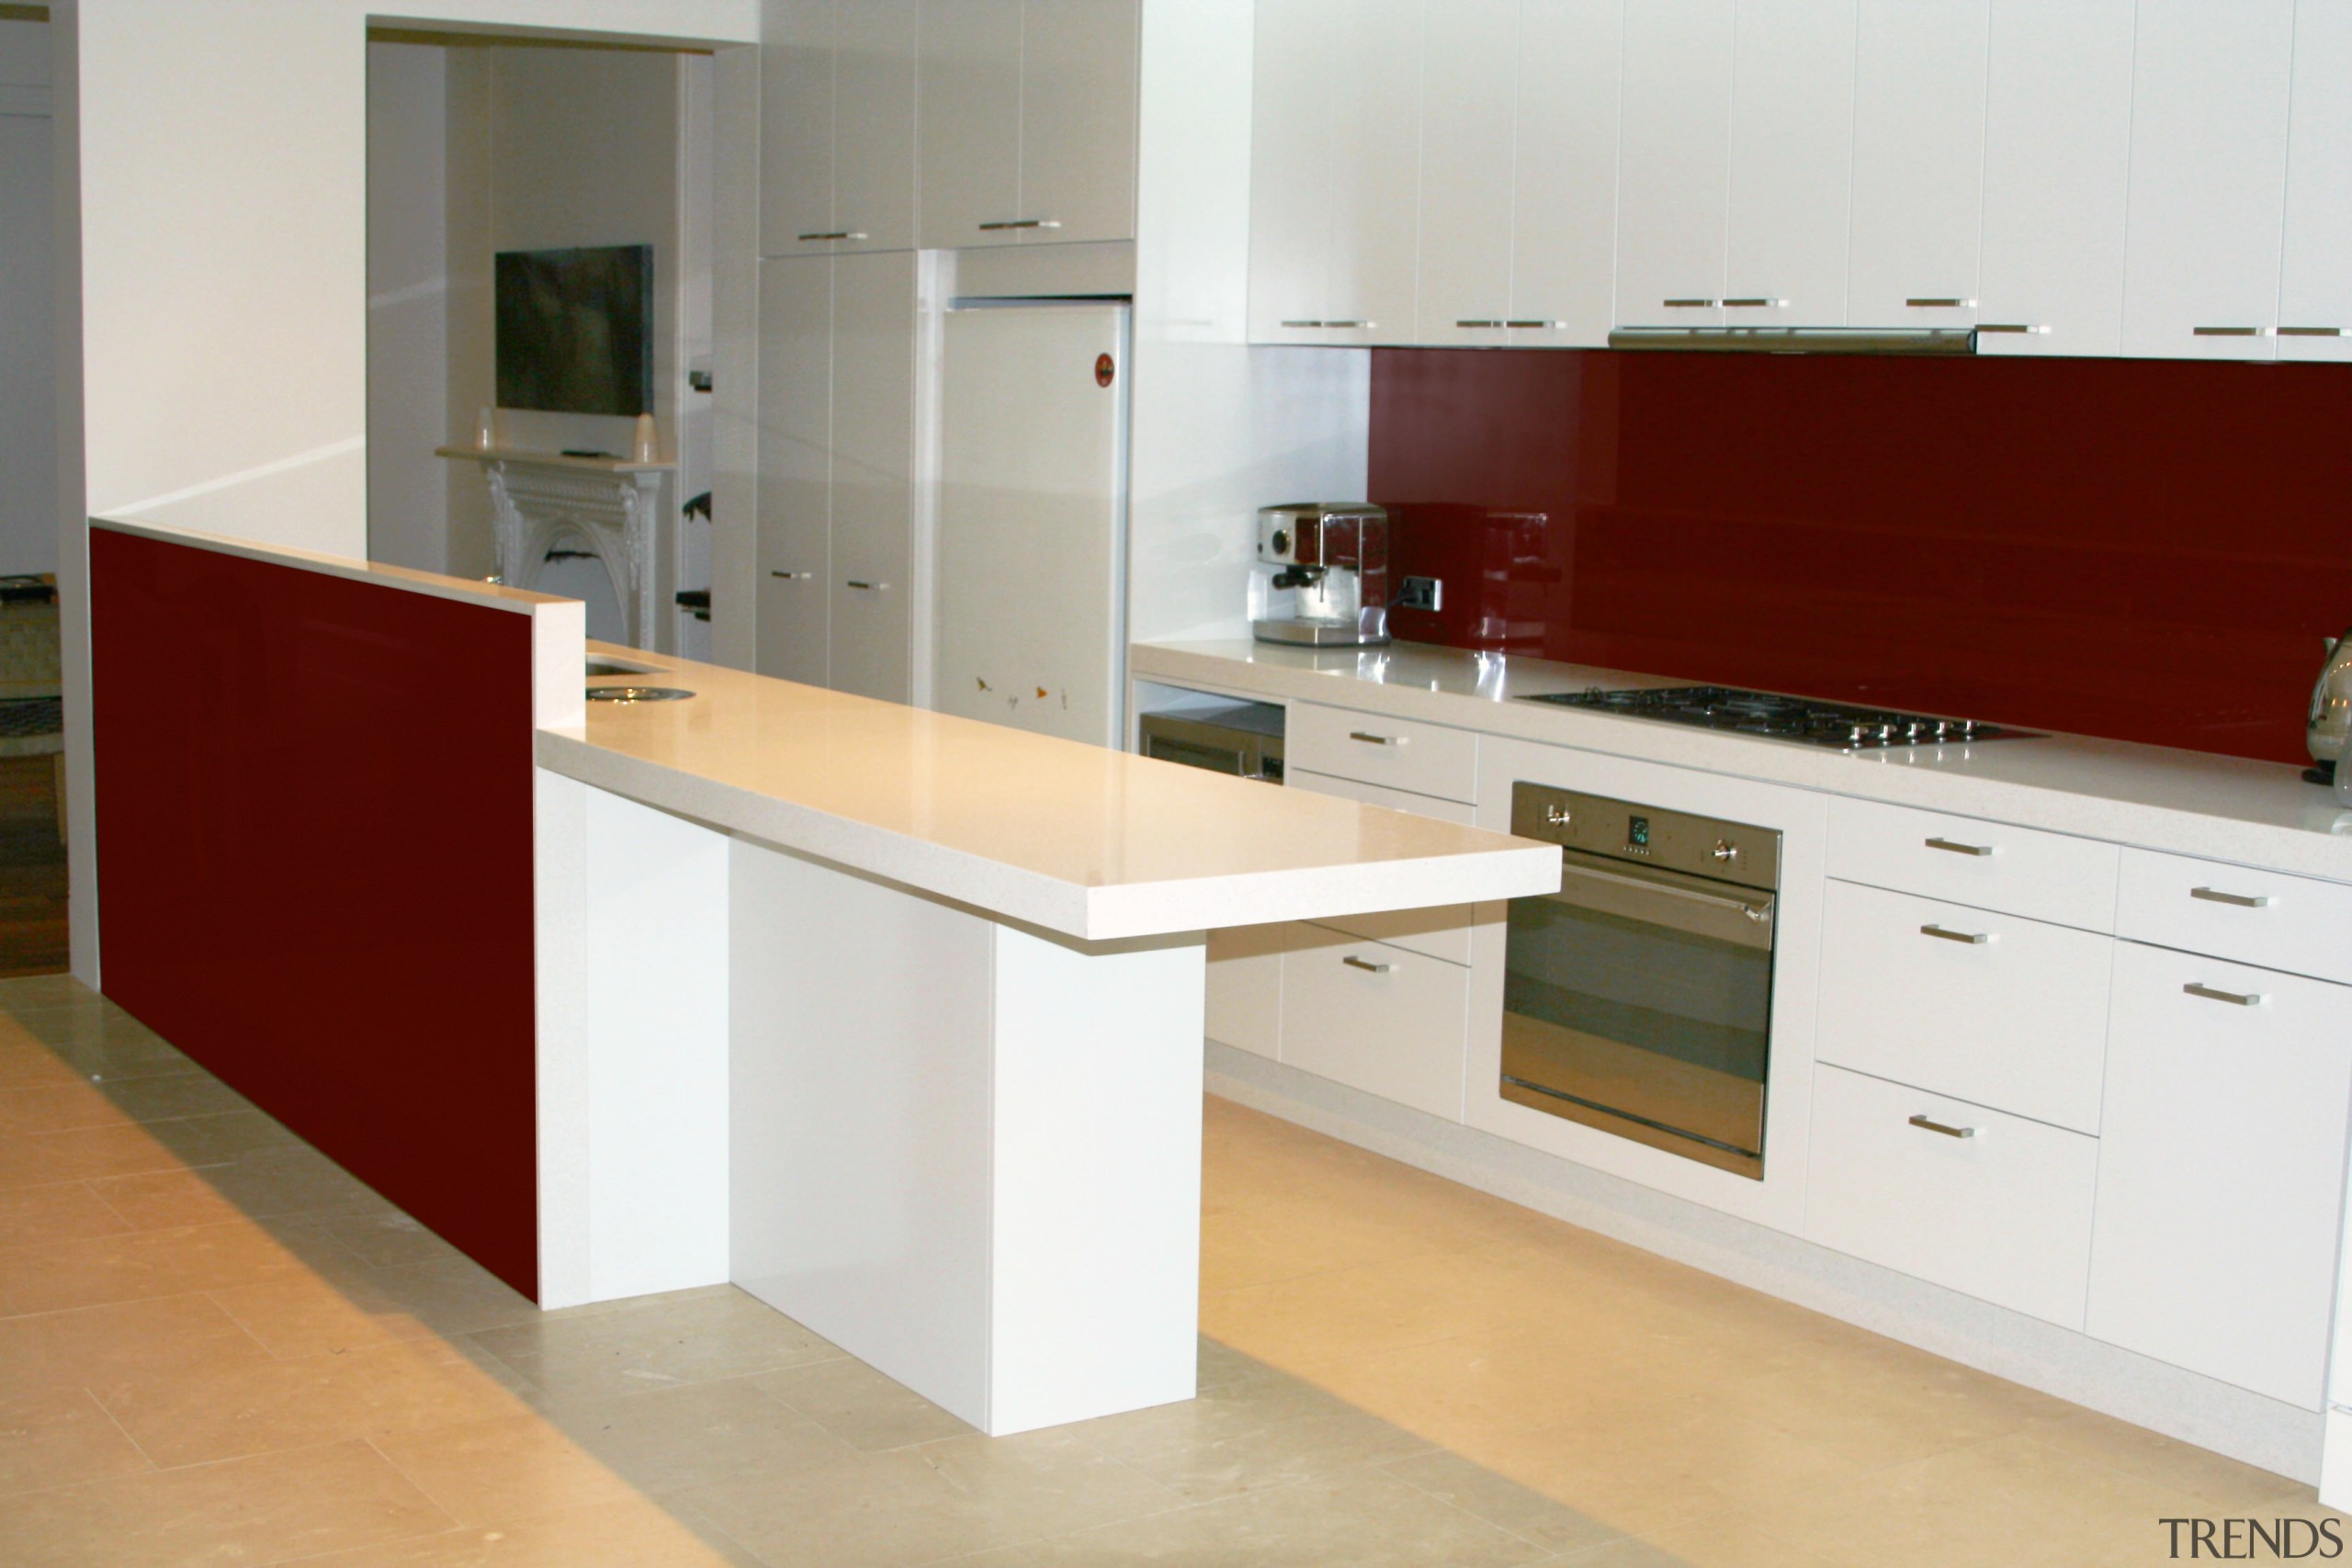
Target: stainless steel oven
pixel 1241 739
pixel 1638 999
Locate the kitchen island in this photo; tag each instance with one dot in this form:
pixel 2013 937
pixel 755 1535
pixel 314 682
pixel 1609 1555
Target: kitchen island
pixel 959 1058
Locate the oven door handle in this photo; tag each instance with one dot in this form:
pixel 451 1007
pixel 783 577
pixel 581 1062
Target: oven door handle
pixel 1626 893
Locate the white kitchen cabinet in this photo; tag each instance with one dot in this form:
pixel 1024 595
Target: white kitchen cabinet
pixel 2222 1169
pixel 1990 1204
pixel 1792 164
pixel 837 126
pixel 1289 156
pixel 1674 163
pixel 1245 988
pixel 1377 748
pixel 2208 194
pixel 1564 206
pixel 2315 273
pixel 837 471
pixel 796 437
pixel 1385 1020
pixel 2057 160
pixel 1374 169
pixel 1469 67
pixel 1026 122
pixel 1439 932
pixel 1918 162
pixel 873 504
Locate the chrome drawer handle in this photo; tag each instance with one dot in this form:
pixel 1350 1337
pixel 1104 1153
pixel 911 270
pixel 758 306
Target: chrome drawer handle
pixel 1940 304
pixel 2229 332
pixel 1493 323
pixel 1756 303
pixel 2311 331
pixel 792 576
pixel 1002 223
pixel 1352 962
pixel 2012 327
pixel 1949 1131
pixel 1688 304
pixel 2242 900
pixel 869 587
pixel 1366 324
pixel 2236 998
pixel 1306 323
pixel 1976 938
pixel 1371 739
pixel 1955 847
pixel 1545 326
pixel 836 234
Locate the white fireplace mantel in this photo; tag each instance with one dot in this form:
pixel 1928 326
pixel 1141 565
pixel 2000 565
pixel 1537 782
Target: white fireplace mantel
pixel 607 507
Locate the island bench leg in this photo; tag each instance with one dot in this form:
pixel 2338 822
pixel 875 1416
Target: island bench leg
pixel 966 1152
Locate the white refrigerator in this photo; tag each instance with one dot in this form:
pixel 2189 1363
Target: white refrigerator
pixel 1029 535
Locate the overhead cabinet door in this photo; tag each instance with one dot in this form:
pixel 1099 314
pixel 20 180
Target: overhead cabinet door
pixel 1674 163
pixel 1792 159
pixel 2208 178
pixel 1078 119
pixel 1289 160
pixel 1918 162
pixel 2315 279
pixel 837 126
pixel 795 124
pixel 2057 159
pixel 1374 59
pixel 1468 70
pixel 1563 208
pixel 968 127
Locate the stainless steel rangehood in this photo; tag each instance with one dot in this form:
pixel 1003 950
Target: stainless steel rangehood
pixel 1800 339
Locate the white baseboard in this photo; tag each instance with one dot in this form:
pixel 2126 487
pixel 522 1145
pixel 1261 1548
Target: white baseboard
pixel 2184 1404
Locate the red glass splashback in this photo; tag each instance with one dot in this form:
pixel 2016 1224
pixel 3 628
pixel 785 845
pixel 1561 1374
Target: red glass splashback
pixel 2146 549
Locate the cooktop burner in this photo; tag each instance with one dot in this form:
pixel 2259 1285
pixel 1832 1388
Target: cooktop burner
pixel 1840 725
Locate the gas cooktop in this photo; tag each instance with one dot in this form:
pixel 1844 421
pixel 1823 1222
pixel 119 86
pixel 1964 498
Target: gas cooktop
pixel 1840 726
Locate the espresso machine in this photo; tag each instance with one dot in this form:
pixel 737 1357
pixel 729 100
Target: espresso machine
pixel 1331 557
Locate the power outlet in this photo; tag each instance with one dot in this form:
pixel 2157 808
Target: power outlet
pixel 1421 593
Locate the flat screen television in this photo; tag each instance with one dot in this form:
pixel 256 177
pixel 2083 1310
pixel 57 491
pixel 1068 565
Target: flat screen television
pixel 575 329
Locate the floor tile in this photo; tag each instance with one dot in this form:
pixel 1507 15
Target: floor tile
pixel 262 1183
pixel 1729 1542
pixel 89 1271
pixel 1356 1311
pixel 345 1305
pixel 657 1344
pixel 89 1346
pixel 1502 1502
pixel 861 1407
pixel 59 1211
pixel 61 1107
pixel 1364 1519
pixel 1245 1436
pixel 37 1160
pixel 58 1436
pixel 2223 1486
pixel 673 1438
pixel 921 1505
pixel 260 1407
pixel 270 1509
pixel 641 1533
pixel 509 1467
pixel 387 1238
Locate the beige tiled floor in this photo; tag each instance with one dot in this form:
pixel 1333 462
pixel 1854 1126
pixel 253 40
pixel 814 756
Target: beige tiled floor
pixel 217 1348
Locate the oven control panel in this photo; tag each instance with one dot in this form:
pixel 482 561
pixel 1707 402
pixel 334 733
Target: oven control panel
pixel 1737 853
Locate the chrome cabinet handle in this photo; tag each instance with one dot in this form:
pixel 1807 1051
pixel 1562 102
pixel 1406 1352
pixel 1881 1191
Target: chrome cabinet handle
pixel 1542 326
pixel 2311 331
pixel 1352 962
pixel 1306 323
pixel 2011 327
pixel 1753 303
pixel 867 587
pixel 2229 332
pixel 2236 998
pixel 1002 223
pixel 1688 304
pixel 792 576
pixel 1371 739
pixel 2242 900
pixel 1931 303
pixel 1976 938
pixel 1492 323
pixel 837 234
pixel 1948 1131
pixel 1351 323
pixel 1955 847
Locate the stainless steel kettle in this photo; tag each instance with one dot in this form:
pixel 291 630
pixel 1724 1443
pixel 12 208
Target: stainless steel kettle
pixel 2331 717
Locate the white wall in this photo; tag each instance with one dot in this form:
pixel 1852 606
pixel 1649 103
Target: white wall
pixel 1220 428
pixel 213 290
pixel 408 305
pixel 27 307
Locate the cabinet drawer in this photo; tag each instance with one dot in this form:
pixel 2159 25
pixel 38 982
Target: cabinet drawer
pixel 1987 1006
pixel 2002 1213
pixel 1381 1019
pixel 1245 986
pixel 2222 1169
pixel 1991 865
pixel 2264 918
pixel 1442 933
pixel 1424 758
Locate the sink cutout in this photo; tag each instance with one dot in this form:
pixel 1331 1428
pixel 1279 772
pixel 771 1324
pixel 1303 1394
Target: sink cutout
pixel 597 666
pixel 636 693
